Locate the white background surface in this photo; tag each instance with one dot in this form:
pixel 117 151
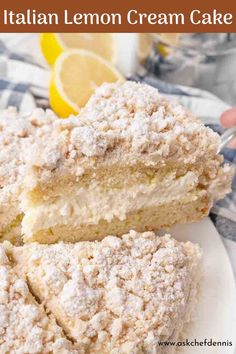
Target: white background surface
pixel 216 311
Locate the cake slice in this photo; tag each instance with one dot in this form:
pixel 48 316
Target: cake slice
pixel 118 295
pixel 17 134
pixel 130 160
pixel 24 325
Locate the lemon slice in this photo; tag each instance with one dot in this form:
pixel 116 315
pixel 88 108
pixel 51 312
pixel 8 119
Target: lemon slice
pixel 53 44
pixel 75 76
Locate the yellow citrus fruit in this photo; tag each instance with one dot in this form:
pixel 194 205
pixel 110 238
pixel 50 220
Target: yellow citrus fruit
pixel 53 44
pixel 75 76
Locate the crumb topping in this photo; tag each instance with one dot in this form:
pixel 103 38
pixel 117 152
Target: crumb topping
pixel 127 119
pixel 24 327
pixel 18 133
pixel 130 117
pixel 117 295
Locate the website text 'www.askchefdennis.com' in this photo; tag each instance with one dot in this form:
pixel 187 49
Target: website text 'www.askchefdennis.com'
pixel 206 342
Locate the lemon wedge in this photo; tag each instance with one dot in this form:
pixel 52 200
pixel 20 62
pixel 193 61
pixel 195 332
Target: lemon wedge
pixel 53 44
pixel 75 76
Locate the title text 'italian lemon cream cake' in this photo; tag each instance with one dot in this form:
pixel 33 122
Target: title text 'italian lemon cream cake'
pixel 130 160
pixel 24 325
pixel 118 295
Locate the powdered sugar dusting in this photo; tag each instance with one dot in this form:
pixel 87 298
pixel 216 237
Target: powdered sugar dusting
pixel 117 293
pixel 140 118
pixel 24 326
pixel 131 117
pixel 18 133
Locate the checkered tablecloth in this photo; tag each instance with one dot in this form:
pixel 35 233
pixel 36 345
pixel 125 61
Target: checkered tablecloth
pixel 24 81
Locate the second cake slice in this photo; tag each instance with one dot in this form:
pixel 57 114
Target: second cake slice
pixel 119 295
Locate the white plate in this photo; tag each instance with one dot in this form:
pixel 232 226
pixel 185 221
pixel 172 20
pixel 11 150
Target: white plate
pixel 216 312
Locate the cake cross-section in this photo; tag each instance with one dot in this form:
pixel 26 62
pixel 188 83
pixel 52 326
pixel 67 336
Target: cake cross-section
pixel 17 135
pixel 130 160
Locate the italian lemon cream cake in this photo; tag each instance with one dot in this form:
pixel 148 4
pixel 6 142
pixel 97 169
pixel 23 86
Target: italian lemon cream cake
pixel 130 160
pixel 25 327
pixel 118 295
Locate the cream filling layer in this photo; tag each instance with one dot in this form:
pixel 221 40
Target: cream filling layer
pixel 90 205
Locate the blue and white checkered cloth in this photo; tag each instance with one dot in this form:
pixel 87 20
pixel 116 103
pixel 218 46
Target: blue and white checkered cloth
pixel 24 82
